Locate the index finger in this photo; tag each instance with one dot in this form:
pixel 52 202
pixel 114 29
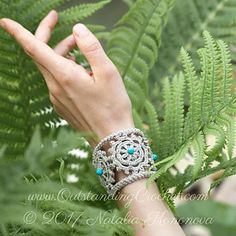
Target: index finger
pixel 37 50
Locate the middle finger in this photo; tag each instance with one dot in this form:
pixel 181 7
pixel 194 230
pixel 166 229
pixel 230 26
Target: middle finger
pixel 46 26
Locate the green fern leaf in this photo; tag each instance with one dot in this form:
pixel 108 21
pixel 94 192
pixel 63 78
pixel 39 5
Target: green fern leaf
pixel 78 13
pixel 32 12
pixel 216 103
pixel 217 132
pixel 198 148
pixel 172 161
pixel 137 120
pixel 185 25
pixel 193 116
pixel 229 123
pixel 172 126
pixel 153 129
pixel 136 93
pixel 136 39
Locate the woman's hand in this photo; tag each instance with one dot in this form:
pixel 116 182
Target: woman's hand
pixel 97 103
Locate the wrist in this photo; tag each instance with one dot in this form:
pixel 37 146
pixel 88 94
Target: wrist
pixel 114 127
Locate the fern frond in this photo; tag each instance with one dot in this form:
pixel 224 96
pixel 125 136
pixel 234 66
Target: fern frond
pixel 136 39
pixel 185 25
pixel 193 116
pixel 198 148
pixel 137 120
pixel 225 72
pixel 172 161
pixel 215 78
pixel 78 13
pixel 153 129
pixel 32 12
pixel 211 112
pixel 218 133
pixel 172 126
pixel 136 93
pixel 229 124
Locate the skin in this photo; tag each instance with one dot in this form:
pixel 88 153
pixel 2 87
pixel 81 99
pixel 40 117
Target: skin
pixel 89 102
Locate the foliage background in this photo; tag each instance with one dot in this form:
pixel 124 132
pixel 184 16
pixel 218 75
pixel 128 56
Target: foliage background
pixel 35 156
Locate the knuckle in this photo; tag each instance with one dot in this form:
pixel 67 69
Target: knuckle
pixel 56 92
pixel 110 70
pixel 49 25
pixel 66 81
pixel 68 76
pixel 92 47
pixel 29 48
pixel 14 32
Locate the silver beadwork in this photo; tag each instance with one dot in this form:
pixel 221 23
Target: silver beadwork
pixel 128 151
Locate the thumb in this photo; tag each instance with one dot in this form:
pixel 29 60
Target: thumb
pixel 91 48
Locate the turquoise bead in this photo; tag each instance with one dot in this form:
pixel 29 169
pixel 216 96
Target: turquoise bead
pixel 131 150
pixel 99 171
pixel 154 157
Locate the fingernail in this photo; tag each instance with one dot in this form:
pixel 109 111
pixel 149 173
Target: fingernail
pixel 53 12
pixel 81 30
